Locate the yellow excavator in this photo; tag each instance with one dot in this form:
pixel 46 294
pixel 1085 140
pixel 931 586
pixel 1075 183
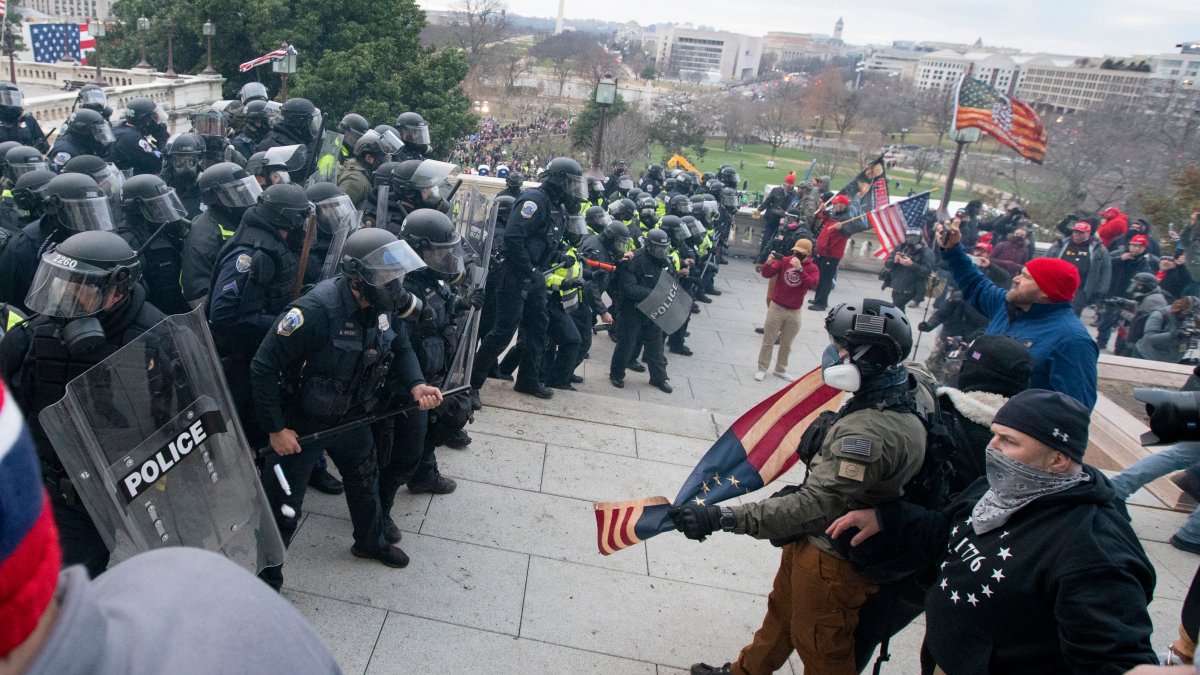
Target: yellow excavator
pixel 678 161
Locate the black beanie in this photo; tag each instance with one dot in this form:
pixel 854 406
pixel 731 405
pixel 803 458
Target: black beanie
pixel 1055 419
pixel 997 364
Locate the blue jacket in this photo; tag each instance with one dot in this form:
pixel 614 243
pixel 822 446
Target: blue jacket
pixel 1064 353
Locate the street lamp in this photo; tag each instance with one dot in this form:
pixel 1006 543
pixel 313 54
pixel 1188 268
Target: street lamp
pixel 10 48
pixel 210 29
pixel 143 27
pixel 903 133
pixel 606 95
pixel 285 66
pixel 170 49
pixel 96 30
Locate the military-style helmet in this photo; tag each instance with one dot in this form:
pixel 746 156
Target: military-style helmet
pixel 413 129
pixel 76 202
pixel 252 91
pixel 30 189
pixel 285 206
pixel 379 261
pixel 83 275
pixel 90 126
pixel 183 154
pixel 656 243
pixel 301 115
pixel 4 148
pixel 382 145
pixel 334 209
pixel 514 179
pixel 622 209
pixel 228 185
pixel 255 111
pixel 433 237
pixel 149 197
pixel 873 332
pixel 617 235
pixel 564 175
pixel 144 114
pixel 353 126
pixel 22 159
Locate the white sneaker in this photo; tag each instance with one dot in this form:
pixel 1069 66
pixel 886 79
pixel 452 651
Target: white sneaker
pixel 785 376
pixel 758 377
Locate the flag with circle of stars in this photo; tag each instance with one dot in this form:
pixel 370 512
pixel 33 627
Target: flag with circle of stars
pixel 49 40
pixel 758 448
pixel 983 567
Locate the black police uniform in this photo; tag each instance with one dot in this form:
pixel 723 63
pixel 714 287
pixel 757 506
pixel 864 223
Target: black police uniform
pixel 70 145
pixel 281 135
pixel 491 289
pixel 532 241
pixel 245 144
pixel 513 192
pixel 161 261
pixel 334 358
pixel 208 233
pixel 252 283
pixel 25 131
pixel 409 151
pixel 636 278
pixel 38 366
pixel 651 185
pixel 20 257
pixel 132 150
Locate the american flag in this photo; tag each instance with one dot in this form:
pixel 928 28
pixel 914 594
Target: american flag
pixel 1006 119
pixel 266 58
pixel 757 449
pixel 890 222
pixel 49 39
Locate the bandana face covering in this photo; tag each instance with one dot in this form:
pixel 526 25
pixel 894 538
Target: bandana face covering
pixel 1012 485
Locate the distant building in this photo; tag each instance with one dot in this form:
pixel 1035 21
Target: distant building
pixel 837 30
pixel 900 63
pixel 81 10
pixel 792 46
pixel 713 55
pixel 944 68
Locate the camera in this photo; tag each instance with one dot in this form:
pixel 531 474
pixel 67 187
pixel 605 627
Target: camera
pixel 1174 415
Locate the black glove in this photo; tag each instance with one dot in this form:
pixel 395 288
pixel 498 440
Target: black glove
pixel 570 284
pixel 476 298
pixel 427 314
pixel 924 327
pixel 696 521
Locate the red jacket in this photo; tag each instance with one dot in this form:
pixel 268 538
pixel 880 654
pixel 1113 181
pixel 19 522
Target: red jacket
pixel 792 283
pixel 831 243
pixel 1113 228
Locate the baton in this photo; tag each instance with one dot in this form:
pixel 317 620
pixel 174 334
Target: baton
pixel 310 233
pixel 600 328
pixel 454 189
pixel 370 419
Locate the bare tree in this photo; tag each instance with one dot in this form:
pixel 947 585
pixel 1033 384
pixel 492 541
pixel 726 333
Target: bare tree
pixel 512 64
pixel 923 161
pixel 736 116
pixel 936 107
pixel 474 25
pixel 595 61
pixel 626 135
pixel 777 118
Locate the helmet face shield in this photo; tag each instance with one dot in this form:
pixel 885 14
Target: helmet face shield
pixel 389 142
pixel 446 259
pixel 389 263
pixel 164 208
pixel 67 288
pixel 21 167
pixel 315 123
pixel 575 186
pixel 12 98
pixel 415 134
pixel 242 192
pixel 82 214
pixel 211 123
pixel 95 97
pixel 102 134
pixel 184 163
pixel 334 212
pixel 431 173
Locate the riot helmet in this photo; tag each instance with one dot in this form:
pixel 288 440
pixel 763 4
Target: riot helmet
pixel 301 116
pixel 285 206
pixel 275 164
pixel 183 154
pixel 106 174
pixel 616 236
pixel 675 229
pixel 376 262
pixel 333 208
pixel 83 276
pixel 503 205
pixel 669 185
pixel 729 198
pixel 432 236
pixel 565 177
pixel 92 97
pixel 575 230
pixel 596 218
pixel 729 176
pixel 254 118
pixel 647 207
pixel 656 244
pixel 252 91
pixel 696 230
pixel 353 126
pixel 634 193
pixel 144 115
pixel 150 198
pixel 92 129
pixel 679 205
pixel 413 129
pixel 228 186
pixel 77 203
pixel 4 148
pixel 23 159
pixel 655 171
pixel 875 334
pixel 624 185
pixel 208 121
pixel 30 189
pixel 428 177
pixel 380 146
pixel 622 209
pixel 514 179
pixel 387 174
pixel 12 103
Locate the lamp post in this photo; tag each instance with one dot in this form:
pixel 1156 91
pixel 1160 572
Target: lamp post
pixel 903 133
pixel 210 29
pixel 143 27
pixel 170 49
pixel 10 48
pixel 606 95
pixel 96 29
pixel 285 66
pixel 858 71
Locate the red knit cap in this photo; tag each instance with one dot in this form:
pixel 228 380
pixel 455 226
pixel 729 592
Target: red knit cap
pixel 1057 278
pixel 790 179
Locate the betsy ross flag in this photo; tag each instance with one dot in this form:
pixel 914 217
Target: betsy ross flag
pixel 266 58
pixel 890 222
pixel 1006 119
pixel 49 40
pixel 757 449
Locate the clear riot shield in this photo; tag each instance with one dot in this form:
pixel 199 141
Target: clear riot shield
pixel 475 220
pixel 333 255
pixel 155 450
pixel 327 158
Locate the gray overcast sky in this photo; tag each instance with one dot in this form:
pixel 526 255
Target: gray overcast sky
pixel 1085 27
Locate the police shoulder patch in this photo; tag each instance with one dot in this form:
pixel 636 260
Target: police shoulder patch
pixel 528 209
pixel 384 324
pixel 243 262
pixel 145 145
pixel 61 158
pixel 290 322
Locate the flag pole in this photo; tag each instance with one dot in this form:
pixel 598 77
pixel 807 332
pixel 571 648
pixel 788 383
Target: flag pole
pixel 866 213
pixel 943 213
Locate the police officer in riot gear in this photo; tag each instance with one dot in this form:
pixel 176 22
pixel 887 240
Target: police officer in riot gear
pixel 532 242
pixel 21 159
pixel 334 212
pixel 28 193
pixel 326 360
pixel 212 126
pixel 372 150
pixel 352 127
pixel 652 180
pixel 131 148
pixel 72 203
pixel 252 282
pixel 15 123
pixel 513 183
pixel 610 246
pixel 89 305
pixel 381 180
pixel 85 132
pixel 414 133
pixel 253 91
pixel 226 191
pixel 253 123
pixel 107 176
pixel 636 278
pixel 183 161
pixel 502 207
pixel 92 97
pixel 155 226
pixel 299 124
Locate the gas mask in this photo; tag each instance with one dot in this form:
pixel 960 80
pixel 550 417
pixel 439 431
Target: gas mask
pixel 839 372
pixel 82 335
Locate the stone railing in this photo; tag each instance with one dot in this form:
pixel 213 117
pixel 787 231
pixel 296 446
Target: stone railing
pixel 174 94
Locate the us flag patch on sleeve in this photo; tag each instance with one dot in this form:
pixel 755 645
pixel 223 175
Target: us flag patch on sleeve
pixel 857 446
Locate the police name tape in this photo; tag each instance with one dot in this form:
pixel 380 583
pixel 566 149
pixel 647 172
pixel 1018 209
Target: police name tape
pixel 170 455
pixel 369 419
